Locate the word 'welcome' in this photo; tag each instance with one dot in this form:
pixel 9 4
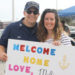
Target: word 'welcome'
pixel 34 49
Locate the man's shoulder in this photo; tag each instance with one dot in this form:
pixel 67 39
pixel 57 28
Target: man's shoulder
pixel 13 25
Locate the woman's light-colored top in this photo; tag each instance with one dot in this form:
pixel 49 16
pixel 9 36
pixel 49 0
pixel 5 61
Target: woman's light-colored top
pixel 64 40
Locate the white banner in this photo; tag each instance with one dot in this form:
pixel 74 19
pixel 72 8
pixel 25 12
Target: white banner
pixel 34 58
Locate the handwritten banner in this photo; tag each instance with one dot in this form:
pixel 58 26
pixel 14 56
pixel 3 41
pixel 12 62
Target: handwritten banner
pixel 34 58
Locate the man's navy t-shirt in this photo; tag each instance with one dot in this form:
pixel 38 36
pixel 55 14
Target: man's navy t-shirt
pixel 18 31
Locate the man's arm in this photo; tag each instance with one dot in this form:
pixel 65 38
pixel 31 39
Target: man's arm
pixel 3 55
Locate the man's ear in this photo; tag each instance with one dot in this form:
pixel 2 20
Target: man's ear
pixel 24 13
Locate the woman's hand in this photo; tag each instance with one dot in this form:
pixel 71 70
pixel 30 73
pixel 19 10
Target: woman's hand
pixel 56 43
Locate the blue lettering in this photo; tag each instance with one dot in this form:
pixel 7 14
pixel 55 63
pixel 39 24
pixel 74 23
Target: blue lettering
pixel 53 51
pixel 27 49
pixel 16 47
pixel 39 50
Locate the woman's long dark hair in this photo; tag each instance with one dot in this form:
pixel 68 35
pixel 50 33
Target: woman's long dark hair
pixel 42 32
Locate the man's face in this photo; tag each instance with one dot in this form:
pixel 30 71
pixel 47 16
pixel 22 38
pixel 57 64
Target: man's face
pixel 31 15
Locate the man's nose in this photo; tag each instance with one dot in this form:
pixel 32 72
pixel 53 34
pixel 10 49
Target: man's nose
pixel 49 20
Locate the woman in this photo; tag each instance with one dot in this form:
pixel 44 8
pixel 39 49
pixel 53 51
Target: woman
pixel 49 29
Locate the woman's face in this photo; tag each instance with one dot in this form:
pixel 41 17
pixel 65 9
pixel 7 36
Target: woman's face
pixel 49 21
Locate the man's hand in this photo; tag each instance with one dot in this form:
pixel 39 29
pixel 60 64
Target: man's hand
pixel 3 55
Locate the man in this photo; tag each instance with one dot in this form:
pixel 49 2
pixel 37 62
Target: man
pixel 65 27
pixel 25 29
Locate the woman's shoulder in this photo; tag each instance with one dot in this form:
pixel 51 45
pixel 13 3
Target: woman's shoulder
pixel 65 35
pixel 65 39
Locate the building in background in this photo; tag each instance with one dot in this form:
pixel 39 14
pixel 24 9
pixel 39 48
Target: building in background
pixel 3 24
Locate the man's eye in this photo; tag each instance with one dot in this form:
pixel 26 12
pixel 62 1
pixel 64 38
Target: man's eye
pixel 46 18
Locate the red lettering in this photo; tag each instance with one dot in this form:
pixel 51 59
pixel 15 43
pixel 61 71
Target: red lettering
pixel 22 47
pixel 46 51
pixel 33 49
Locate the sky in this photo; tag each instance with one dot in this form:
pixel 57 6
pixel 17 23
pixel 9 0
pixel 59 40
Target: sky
pixel 6 7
